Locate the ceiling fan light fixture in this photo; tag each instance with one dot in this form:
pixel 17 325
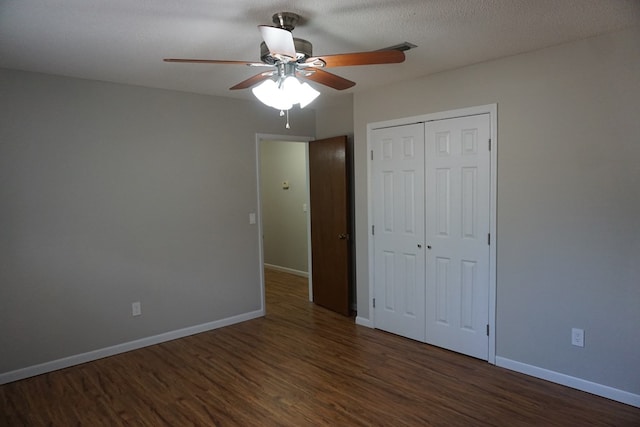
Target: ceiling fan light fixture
pixel 271 95
pixel 285 93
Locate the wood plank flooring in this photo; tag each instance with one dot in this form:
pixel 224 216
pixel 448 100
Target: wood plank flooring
pixel 300 365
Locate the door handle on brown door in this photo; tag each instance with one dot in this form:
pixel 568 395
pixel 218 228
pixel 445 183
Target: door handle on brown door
pixel 343 236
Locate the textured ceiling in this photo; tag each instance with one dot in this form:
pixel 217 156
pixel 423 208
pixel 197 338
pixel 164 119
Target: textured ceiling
pixel 124 41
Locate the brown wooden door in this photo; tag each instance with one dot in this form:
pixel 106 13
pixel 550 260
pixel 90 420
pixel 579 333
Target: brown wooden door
pixel 330 213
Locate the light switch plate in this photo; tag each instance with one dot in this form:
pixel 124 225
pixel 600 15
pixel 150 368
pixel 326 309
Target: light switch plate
pixel 577 337
pixel 136 309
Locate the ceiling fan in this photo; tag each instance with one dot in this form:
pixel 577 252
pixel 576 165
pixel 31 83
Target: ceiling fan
pixel 286 57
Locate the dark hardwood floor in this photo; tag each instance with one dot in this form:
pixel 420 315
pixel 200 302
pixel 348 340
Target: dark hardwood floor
pixel 300 365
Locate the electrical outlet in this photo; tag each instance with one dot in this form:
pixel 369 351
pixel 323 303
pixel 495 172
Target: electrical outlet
pixel 136 309
pixel 577 337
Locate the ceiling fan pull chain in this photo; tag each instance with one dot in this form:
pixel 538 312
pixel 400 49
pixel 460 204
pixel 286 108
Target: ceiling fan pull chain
pixel 287 125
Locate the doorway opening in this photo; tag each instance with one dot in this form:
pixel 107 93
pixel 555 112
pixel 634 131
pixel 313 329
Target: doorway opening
pixel 283 203
pixel 304 214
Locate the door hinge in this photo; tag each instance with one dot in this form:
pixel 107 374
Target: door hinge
pixel 374 303
pixel 488 238
pixel 489 144
pixel 487 330
pixel 371 154
pixel 373 230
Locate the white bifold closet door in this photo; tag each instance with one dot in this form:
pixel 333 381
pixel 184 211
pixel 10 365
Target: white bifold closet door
pixel 398 186
pixel 431 242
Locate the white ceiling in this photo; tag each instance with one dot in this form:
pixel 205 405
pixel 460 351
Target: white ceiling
pixel 124 41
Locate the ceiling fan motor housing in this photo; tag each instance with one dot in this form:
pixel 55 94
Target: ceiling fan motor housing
pixel 286 20
pixel 303 51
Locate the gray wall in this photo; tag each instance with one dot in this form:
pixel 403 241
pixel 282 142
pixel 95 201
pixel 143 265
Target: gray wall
pixel 112 194
pixel 334 116
pixel 284 223
pixel 568 198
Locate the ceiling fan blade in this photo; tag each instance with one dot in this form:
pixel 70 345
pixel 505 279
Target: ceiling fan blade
pixel 217 61
pixel 252 81
pixel 328 79
pixel 278 40
pixel 360 58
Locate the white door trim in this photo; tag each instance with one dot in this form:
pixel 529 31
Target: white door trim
pixel 260 137
pixel 492 110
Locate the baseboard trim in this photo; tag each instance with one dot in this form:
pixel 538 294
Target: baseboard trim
pixel 287 270
pixel 363 321
pixel 569 381
pixel 54 365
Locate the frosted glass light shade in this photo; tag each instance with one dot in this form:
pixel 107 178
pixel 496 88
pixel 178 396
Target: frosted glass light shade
pixel 269 94
pixel 285 95
pixel 265 91
pixel 306 94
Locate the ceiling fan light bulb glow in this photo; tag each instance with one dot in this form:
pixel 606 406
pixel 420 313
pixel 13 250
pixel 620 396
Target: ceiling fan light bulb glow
pixel 290 84
pixel 289 89
pixel 283 95
pixel 280 104
pixel 306 94
pixel 279 99
pixel 265 91
pixel 271 95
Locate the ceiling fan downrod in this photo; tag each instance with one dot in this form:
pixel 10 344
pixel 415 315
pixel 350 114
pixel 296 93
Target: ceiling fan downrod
pixel 285 69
